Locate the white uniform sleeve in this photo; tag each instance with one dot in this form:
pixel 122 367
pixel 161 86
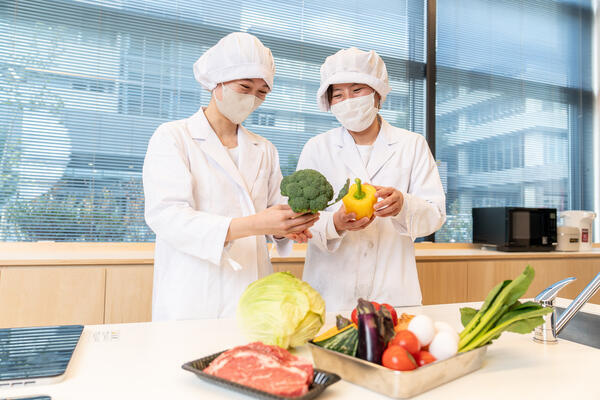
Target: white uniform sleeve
pixel 325 235
pixel 169 202
pixel 424 208
pixel 284 245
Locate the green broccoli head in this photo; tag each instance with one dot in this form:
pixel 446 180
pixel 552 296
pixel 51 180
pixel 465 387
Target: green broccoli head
pixel 307 191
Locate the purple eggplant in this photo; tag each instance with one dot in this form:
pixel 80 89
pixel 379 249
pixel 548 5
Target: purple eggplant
pixel 341 322
pixel 370 342
pixel 385 324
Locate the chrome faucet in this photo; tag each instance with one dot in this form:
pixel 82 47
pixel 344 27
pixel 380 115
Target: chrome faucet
pixel 553 324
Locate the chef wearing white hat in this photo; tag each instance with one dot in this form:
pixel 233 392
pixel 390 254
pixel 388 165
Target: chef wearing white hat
pixel 212 190
pixel 370 258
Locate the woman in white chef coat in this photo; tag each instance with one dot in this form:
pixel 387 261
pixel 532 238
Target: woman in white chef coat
pixel 212 190
pixel 373 259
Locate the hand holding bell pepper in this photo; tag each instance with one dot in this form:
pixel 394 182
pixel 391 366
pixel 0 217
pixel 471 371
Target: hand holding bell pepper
pixel 360 200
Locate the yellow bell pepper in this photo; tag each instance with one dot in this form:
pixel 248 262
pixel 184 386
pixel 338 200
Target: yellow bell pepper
pixel 360 200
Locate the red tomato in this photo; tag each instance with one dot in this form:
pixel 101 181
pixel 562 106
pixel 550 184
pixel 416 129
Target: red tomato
pixel 376 305
pixel 424 357
pixel 393 312
pixel 395 357
pixel 354 316
pixel 407 340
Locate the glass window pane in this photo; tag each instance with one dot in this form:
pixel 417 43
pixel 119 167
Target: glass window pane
pixel 513 106
pixel 84 84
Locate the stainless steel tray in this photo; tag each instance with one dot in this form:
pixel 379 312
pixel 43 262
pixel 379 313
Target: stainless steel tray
pixel 397 384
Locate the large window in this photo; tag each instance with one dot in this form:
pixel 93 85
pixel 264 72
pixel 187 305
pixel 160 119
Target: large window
pixel 84 84
pixel 513 106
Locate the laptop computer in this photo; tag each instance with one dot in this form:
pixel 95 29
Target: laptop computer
pixel 37 355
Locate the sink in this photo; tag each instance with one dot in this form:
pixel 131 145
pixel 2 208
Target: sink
pixel 584 328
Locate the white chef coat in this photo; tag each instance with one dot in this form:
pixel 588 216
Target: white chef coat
pixel 377 263
pixel 192 190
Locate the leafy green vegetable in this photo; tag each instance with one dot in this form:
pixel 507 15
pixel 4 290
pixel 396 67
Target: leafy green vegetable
pixel 309 191
pixel 507 295
pixel 486 304
pixel 281 310
pixel 501 311
pixel 343 192
pixel 466 315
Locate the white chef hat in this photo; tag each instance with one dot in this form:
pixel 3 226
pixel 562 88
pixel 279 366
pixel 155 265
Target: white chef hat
pixel 236 56
pixel 353 66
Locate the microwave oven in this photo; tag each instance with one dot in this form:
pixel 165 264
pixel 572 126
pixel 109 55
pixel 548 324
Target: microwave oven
pixel 515 228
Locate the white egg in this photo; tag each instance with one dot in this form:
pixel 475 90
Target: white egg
pixel 445 327
pixel 422 327
pixel 443 346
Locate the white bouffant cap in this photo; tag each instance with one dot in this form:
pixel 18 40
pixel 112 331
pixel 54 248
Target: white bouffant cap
pixel 353 66
pixel 236 56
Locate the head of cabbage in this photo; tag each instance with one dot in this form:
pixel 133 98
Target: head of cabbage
pixel 281 310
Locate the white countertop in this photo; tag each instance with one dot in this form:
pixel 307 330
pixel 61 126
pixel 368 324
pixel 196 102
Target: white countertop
pixel 143 361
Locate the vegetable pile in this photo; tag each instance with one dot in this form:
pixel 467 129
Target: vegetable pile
pixel 366 336
pixel 281 310
pixel 501 311
pixel 376 335
pixel 308 191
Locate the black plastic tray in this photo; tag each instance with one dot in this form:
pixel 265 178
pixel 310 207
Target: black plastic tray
pixel 321 379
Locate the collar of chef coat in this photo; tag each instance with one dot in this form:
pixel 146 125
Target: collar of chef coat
pixel 384 148
pixel 251 150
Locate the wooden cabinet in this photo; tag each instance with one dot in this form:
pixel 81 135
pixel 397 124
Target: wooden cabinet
pixel 295 267
pixel 128 294
pixel 443 282
pixel 483 275
pixel 95 283
pixel 452 274
pixel 34 296
pixel 49 283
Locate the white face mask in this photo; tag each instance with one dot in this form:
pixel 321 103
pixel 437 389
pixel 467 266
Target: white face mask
pixel 236 106
pixel 357 113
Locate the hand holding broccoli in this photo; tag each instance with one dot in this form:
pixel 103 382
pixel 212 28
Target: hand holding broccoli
pixel 302 237
pixel 281 221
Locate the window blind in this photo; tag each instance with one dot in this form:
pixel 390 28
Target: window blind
pixel 513 106
pixel 84 84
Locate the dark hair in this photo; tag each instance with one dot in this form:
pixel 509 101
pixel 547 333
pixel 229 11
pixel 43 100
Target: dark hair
pixel 330 95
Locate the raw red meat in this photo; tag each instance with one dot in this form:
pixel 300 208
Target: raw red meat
pixel 268 368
